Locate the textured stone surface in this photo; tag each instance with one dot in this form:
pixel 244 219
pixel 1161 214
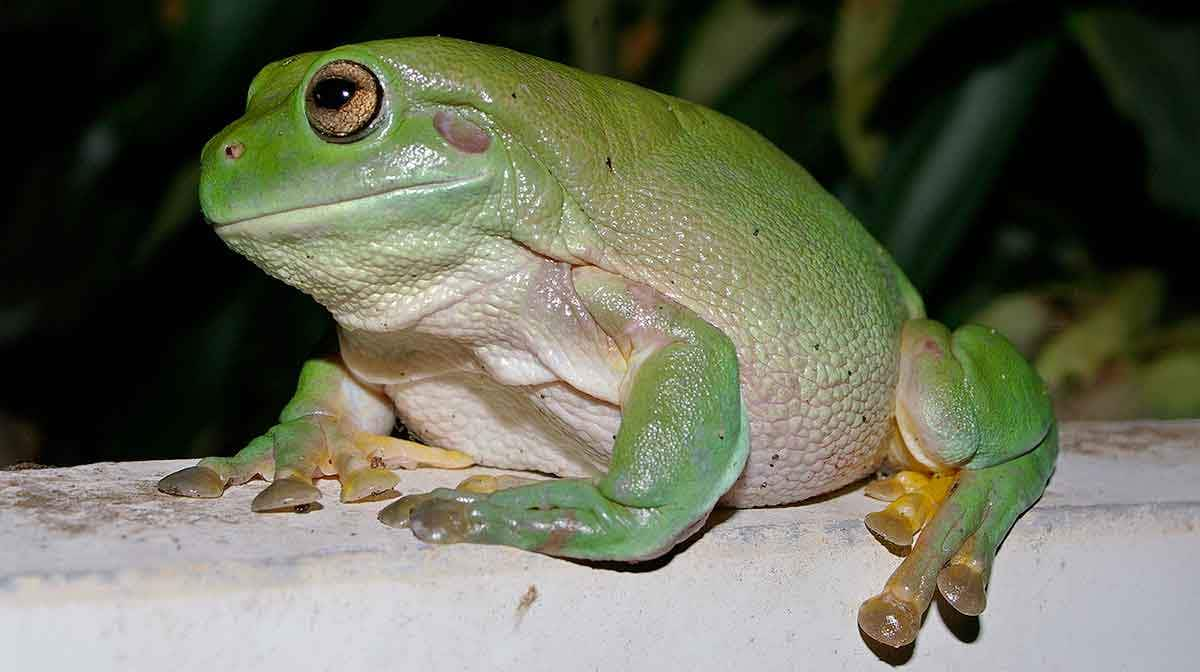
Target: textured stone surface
pixel 98 571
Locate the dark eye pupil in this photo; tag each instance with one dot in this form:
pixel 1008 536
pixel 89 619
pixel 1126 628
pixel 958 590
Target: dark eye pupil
pixel 333 93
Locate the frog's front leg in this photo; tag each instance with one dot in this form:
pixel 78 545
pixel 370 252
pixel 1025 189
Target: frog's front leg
pixel 970 402
pixel 682 442
pixel 334 424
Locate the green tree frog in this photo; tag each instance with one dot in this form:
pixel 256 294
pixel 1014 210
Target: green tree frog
pixel 536 268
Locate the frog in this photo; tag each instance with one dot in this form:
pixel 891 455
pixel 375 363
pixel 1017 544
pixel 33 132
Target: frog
pixel 535 268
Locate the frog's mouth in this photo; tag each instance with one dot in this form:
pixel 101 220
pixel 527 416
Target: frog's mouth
pixel 313 214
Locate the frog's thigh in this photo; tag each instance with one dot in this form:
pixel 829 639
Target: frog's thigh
pixel 682 443
pixel 967 402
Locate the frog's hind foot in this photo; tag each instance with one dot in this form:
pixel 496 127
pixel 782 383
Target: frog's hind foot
pixel 955 550
pixel 914 499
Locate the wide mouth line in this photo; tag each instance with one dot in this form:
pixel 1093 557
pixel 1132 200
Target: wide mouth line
pixel 363 197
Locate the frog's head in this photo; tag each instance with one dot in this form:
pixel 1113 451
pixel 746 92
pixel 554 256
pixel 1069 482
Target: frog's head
pixel 348 179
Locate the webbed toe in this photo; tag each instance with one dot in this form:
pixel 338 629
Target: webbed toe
pixel 195 481
pixel 365 483
pixel 890 620
pixel 964 587
pixel 398 513
pixel 285 494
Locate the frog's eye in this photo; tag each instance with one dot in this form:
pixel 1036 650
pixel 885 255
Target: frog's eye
pixel 342 100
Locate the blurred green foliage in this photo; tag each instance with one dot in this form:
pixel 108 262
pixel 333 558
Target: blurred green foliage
pixel 991 145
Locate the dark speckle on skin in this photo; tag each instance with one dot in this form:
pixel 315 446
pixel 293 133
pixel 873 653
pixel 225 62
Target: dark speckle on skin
pixel 756 232
pixel 608 162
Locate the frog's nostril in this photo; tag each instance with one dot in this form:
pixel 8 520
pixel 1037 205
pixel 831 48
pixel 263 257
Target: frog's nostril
pixel 234 150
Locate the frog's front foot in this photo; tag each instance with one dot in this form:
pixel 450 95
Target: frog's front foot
pixel 563 517
pixel 195 481
pixel 287 493
pixel 295 452
pixel 399 513
pixel 444 516
pixel 540 516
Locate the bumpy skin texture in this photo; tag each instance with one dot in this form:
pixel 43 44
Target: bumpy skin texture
pixel 606 174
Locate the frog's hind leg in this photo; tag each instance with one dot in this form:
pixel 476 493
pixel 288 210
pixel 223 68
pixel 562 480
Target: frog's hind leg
pixel 966 401
pixel 682 443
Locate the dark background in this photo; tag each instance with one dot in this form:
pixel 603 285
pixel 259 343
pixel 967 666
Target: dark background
pixel 995 147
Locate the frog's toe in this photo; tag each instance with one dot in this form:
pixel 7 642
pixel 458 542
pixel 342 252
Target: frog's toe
pixel 401 512
pixel 562 517
pixel 198 481
pixel 443 522
pixel 965 588
pixel 890 620
pixel 891 527
pixel 404 454
pixel 963 582
pixel 398 513
pixel 485 484
pixel 286 494
pixel 366 483
pixel 897 485
pixel 440 517
pixel 914 498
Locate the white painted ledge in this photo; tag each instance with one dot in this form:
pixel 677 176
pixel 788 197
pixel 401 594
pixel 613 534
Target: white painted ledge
pixel 100 572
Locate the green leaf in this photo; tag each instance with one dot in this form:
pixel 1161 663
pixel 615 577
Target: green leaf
pixel 590 27
pixel 915 23
pixel 177 208
pixel 862 34
pixel 731 40
pixel 936 178
pixel 874 40
pixel 1151 70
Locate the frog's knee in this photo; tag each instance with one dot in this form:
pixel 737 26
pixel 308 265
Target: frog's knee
pixel 967 399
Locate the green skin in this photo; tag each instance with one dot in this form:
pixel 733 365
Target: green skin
pixel 701 260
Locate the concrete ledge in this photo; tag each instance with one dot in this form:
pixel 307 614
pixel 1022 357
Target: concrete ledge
pixel 98 571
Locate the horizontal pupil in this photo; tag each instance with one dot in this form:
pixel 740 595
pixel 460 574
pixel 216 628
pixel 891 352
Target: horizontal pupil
pixel 333 93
